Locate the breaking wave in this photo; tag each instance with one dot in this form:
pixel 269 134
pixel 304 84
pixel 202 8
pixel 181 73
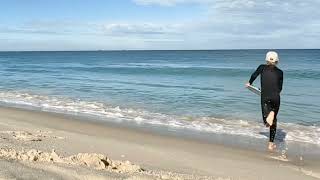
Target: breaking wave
pixel 294 132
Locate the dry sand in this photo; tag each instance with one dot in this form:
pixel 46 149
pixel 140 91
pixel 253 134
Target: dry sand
pixel 39 145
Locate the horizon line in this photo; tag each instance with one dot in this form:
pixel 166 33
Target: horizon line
pixel 106 50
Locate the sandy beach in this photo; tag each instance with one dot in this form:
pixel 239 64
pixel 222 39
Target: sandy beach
pixel 40 145
pixel 159 90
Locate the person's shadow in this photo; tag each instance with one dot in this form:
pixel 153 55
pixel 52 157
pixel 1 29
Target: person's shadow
pixel 280 135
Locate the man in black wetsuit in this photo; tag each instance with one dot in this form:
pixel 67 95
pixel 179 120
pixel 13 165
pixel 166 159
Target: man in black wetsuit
pixel 271 86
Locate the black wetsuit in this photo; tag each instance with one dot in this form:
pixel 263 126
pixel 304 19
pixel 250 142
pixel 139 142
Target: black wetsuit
pixel 271 86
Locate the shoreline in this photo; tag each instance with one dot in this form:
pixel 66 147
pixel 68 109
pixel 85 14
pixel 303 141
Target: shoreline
pixel 293 149
pixel 248 132
pixel 152 151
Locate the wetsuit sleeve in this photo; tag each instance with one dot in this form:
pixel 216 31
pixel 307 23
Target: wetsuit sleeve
pixel 280 81
pixel 256 73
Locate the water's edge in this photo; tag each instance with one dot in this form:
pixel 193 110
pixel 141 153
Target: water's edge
pixel 239 134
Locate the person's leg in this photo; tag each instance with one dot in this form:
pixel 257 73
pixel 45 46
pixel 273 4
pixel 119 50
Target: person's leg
pixel 265 110
pixel 270 118
pixel 273 128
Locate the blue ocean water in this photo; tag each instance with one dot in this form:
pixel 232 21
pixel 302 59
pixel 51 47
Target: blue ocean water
pixel 197 90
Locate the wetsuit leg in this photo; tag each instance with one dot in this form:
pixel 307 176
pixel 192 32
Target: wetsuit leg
pixel 275 105
pixel 270 104
pixel 273 130
pixel 265 109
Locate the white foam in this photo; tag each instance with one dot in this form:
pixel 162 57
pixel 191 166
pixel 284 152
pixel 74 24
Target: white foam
pixel 294 132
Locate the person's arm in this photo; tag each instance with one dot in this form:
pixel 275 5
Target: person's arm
pixel 256 74
pixel 280 81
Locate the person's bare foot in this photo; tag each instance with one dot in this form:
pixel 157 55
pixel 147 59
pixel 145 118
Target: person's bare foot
pixel 272 146
pixel 270 118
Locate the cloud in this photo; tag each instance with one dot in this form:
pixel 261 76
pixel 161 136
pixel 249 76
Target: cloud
pixel 233 3
pixel 265 18
pixel 240 23
pixel 99 29
pixel 140 29
pixel 251 15
pixel 65 35
pixel 21 30
pixel 51 28
pixel 161 2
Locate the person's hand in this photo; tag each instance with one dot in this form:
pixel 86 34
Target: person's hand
pixel 248 84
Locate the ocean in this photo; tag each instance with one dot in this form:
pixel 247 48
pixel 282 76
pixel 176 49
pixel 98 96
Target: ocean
pixel 196 91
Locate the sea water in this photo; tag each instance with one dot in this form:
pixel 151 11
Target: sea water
pixel 198 91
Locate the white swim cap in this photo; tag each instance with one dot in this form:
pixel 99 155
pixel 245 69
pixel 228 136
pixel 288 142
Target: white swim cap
pixel 272 57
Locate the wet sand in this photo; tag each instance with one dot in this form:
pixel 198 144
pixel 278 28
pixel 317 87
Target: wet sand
pixel 40 145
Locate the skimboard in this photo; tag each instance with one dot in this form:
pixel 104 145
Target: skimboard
pixel 255 90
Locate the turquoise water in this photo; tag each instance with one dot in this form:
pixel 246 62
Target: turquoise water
pixel 195 90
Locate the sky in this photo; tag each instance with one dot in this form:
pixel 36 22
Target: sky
pixel 158 24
